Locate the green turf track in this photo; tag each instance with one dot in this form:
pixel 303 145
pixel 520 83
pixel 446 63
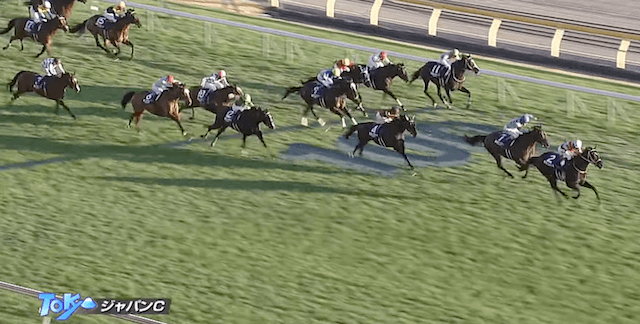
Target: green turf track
pixel 235 238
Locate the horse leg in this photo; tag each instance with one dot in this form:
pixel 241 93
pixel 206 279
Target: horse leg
pixel 320 121
pixel 463 89
pixel 442 98
pixel 588 185
pixel 55 111
pixel 131 119
pixel 210 128
pixel 394 97
pixel 98 43
pixel 10 40
pixel 259 134
pixel 67 108
pixel 353 120
pixel 44 48
pixel 448 93
pixel 499 162
pixel 244 140
pixel 217 135
pixel 21 45
pixel 127 42
pixel 179 125
pixel 399 147
pixel 426 91
pixel 554 184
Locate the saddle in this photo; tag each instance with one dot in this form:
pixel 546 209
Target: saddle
pixel 204 96
pixel 318 89
pixel 232 118
pixel 150 97
pixel 558 163
pixel 439 70
pixel 32 27
pixel 39 83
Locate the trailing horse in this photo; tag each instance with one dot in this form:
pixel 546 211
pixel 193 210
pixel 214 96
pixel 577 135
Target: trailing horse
pixel 450 81
pixel 44 34
pixel 380 78
pixel 574 173
pixel 332 98
pixel 58 7
pixel 50 87
pixel 387 135
pixel 117 34
pixel 221 100
pixel 519 150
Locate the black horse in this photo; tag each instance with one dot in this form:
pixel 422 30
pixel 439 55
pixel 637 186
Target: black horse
pixel 217 101
pixel 388 134
pixel 574 172
pixel 246 122
pixel 380 78
pixel 332 98
pixel 454 80
pixel 520 150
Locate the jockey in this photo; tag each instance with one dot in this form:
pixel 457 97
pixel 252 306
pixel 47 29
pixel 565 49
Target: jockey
pixel 53 66
pixel 344 65
pixel 215 81
pixel 113 14
pixel 514 126
pixel 570 149
pixel 163 84
pixel 449 57
pixel 42 13
pixel 326 77
pixel 377 61
pixel 387 116
pixel 244 103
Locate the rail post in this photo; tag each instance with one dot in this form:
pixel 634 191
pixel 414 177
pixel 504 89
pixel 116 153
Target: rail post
pixel 555 43
pixel 375 12
pixel 331 5
pixel 274 3
pixel 433 21
pixel 621 60
pixel 493 31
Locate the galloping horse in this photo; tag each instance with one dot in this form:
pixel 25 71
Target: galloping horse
pixel 246 122
pixel 117 35
pixel 332 98
pixel 222 99
pixel 388 135
pixel 575 172
pixel 43 36
pixel 520 150
pixel 58 7
pixel 380 78
pixel 164 106
pixel 450 81
pixel 52 87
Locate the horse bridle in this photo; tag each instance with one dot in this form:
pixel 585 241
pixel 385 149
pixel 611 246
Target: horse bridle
pixel 588 161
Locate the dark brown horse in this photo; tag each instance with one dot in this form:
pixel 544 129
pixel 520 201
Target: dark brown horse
pixel 520 150
pixel 333 98
pixel 574 172
pixel 221 100
pixel 246 122
pixel 44 36
pixel 380 78
pixel 454 80
pixel 164 106
pixel 117 35
pixel 58 7
pixel 53 87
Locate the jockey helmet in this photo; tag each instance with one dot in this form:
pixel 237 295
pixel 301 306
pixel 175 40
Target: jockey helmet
pixel 247 99
pixel 170 78
pixel 576 145
pixel 526 118
pixel 346 62
pixel 121 5
pixel 456 52
pixel 383 55
pixel 222 74
pixel 47 4
pixel 395 111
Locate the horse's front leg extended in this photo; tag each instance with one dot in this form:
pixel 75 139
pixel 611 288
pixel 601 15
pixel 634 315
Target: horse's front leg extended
pixel 463 89
pixel 588 185
pixel 442 98
pixel 127 42
pixel 44 48
pixel 387 91
pixel 218 135
pixel 100 45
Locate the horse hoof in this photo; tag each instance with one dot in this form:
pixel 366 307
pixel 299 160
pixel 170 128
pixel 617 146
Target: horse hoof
pixel 321 122
pixel 184 133
pixel 414 174
pixel 351 155
pixel 304 122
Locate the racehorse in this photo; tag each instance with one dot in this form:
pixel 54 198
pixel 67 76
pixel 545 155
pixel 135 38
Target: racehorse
pixel 58 7
pixel 575 171
pixel 520 150
pixel 332 98
pixel 246 122
pixel 164 106
pixel 389 134
pixel 43 36
pixel 380 78
pixel 117 35
pixel 53 87
pixel 222 99
pixel 451 81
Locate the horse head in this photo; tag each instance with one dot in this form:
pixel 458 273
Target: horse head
pixel 591 156
pixel 470 64
pixel 130 18
pixel 266 118
pixel 182 92
pixel 71 81
pixel 401 71
pixel 409 123
pixel 61 23
pixel 540 136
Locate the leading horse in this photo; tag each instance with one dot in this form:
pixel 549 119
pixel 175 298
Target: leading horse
pixel 43 36
pixel 380 78
pixel 450 81
pixel 58 7
pixel 164 106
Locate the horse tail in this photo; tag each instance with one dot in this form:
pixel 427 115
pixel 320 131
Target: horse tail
pixel 350 131
pixel 81 27
pixel 416 74
pixel 127 97
pixel 14 81
pixel 11 24
pixel 290 91
pixel 475 140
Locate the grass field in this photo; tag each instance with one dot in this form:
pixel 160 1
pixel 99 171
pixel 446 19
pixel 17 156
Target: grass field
pixel 249 238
